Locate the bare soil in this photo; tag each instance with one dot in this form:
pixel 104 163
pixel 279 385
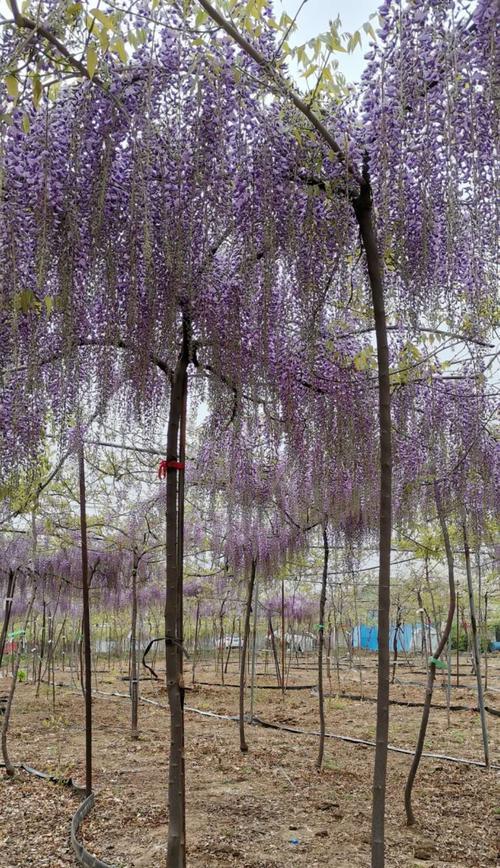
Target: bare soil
pixel 269 808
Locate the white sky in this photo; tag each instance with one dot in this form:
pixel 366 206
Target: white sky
pixel 314 17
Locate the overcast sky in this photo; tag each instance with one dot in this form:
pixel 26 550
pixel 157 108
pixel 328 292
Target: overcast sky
pixel 314 18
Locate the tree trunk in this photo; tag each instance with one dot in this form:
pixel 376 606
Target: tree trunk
pixel 275 655
pixel 364 215
pixel 176 848
pixel 422 625
pixel 283 645
pixel 410 817
pixel 11 584
pixel 321 642
pixel 9 768
pixel 87 680
pixel 485 640
pixel 134 680
pixel 246 634
pixel 475 649
pixel 233 627
pixel 437 625
pixel 254 648
pixel 195 649
pixel 41 656
pixel 395 642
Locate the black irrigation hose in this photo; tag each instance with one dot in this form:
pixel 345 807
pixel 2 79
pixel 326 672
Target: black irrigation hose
pixel 411 703
pixel 351 740
pixel 66 782
pixel 259 686
pixel 82 855
pixel 146 652
pixel 297 731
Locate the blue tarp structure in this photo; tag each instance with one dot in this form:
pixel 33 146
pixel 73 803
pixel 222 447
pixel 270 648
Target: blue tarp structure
pixel 365 637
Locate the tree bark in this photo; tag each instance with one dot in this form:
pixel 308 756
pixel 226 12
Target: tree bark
pixel 321 642
pixel 87 680
pixel 246 634
pixel 11 584
pixel 410 817
pixel 195 650
pixel 283 644
pixel 275 655
pixel 364 215
pixel 41 656
pixel 134 676
pixel 176 847
pixel 395 641
pixel 475 648
pixel 254 648
pixel 9 768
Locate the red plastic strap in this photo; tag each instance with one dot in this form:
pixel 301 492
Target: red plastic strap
pixel 169 465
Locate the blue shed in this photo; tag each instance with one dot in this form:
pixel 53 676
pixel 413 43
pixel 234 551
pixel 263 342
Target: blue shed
pixel 409 637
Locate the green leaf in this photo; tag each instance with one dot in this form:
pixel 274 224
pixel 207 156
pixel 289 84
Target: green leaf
pixel 26 123
pixel 103 38
pixel 118 46
pixel 12 86
pixel 439 664
pixel 200 18
pixel 49 304
pixel 310 70
pixel 91 61
pixel 354 40
pixel 37 90
pixel 106 20
pixel 26 300
pixel 367 27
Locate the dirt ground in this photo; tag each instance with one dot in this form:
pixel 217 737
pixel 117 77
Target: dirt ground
pixel 269 808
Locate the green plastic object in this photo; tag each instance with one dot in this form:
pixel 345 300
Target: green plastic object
pixel 16 634
pixel 438 663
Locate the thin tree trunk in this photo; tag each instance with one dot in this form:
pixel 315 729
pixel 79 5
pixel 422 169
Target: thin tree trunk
pixel 321 642
pixel 275 655
pixel 410 817
pixel 254 648
pixel 176 848
pixel 134 681
pixel 485 630
pixel 246 634
pixel 475 648
pixel 221 654
pixel 448 683
pixel 87 680
pixel 422 624
pixel 395 642
pixel 42 649
pixel 437 625
pixel 233 626
pixel 9 768
pixel 364 215
pixel 195 649
pixel 283 646
pixel 11 584
pixel 336 645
